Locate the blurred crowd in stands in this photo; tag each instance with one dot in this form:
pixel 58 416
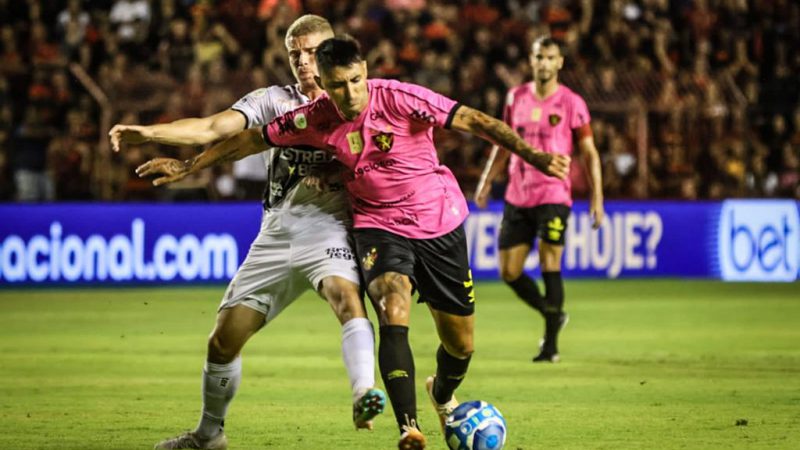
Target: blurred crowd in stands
pixel 690 98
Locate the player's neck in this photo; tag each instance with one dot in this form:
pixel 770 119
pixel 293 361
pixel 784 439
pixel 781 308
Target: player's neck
pixel 544 90
pixel 312 94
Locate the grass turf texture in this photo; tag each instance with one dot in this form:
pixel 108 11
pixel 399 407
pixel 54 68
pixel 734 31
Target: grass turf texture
pixel 646 364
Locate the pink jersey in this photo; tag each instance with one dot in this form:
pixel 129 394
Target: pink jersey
pixel 395 180
pixel 546 125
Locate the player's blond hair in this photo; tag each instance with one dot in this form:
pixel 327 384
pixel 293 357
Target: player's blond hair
pixel 308 24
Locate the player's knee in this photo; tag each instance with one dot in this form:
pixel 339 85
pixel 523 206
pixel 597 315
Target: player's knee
pixel 461 350
pixel 220 350
pixel 345 300
pixel 390 283
pixel 510 273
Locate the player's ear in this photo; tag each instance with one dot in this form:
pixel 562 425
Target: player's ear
pixel 364 68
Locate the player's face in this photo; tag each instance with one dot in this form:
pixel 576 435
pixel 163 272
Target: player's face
pixel 347 87
pixel 301 57
pixel 546 62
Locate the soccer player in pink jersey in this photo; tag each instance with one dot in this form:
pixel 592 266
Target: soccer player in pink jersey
pixel 408 210
pixel 547 115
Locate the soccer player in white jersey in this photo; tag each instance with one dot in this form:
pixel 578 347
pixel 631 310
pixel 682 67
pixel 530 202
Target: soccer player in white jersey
pixel 289 255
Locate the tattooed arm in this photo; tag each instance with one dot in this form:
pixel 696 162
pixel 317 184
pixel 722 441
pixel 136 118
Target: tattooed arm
pixel 495 131
pixel 246 143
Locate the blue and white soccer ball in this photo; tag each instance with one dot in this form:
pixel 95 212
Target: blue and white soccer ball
pixel 475 425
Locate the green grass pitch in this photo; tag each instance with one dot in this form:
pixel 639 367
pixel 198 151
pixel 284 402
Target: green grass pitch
pixel 646 364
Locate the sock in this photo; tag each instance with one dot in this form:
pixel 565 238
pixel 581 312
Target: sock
pixel 554 303
pixel 450 371
pixel 220 382
pixel 358 353
pixel 526 289
pixel 397 370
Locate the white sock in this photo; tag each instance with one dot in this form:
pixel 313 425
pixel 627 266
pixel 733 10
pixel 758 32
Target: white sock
pixel 220 382
pixel 358 353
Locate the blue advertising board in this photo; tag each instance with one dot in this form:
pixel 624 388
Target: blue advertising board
pixel 134 243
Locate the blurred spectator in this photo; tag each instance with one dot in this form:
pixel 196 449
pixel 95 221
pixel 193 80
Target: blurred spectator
pixel 718 80
pixel 32 172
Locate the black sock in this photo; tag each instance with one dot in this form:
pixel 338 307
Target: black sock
pixel 554 304
pixel 450 371
pixel 397 370
pixel 526 289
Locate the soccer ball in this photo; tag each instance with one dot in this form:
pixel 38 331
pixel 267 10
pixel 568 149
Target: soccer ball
pixel 475 425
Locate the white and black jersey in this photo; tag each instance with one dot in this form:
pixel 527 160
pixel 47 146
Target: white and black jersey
pixel 303 237
pixel 286 167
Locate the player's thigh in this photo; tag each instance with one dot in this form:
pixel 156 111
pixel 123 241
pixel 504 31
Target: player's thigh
pixel 264 281
pixel 387 269
pixel 512 261
pixel 442 273
pixel 553 221
pixel 456 332
pixel 330 265
pixel 516 236
pixel 344 297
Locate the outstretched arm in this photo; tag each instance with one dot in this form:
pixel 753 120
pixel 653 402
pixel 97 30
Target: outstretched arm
pixel 246 143
pixel 482 125
pixel 192 131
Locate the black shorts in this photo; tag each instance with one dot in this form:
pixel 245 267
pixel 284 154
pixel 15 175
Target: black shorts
pixel 438 267
pixel 522 225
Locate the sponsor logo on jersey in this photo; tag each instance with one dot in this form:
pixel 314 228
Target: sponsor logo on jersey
pixel 554 119
pixel 258 92
pixel 285 125
pixel 368 261
pixel 355 142
pixel 383 141
pixel 363 170
pixel 339 253
pixel 423 117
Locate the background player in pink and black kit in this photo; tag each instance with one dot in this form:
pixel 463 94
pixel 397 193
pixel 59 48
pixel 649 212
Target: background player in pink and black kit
pixel 547 115
pixel 408 210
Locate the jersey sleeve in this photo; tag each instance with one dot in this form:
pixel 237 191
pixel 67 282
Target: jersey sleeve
pixel 580 113
pixel 298 128
pixel 424 107
pixel 256 107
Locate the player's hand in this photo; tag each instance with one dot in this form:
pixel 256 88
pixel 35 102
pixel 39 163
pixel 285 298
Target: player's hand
pixel 557 166
pixel 172 169
pixel 482 196
pixel 130 134
pixel 597 213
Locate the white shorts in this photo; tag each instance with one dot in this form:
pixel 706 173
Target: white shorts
pixel 283 263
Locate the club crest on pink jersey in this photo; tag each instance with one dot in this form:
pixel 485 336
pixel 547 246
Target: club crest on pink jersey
pixel 383 141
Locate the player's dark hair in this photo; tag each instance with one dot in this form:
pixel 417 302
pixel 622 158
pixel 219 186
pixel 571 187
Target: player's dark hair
pixel 339 51
pixel 546 41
